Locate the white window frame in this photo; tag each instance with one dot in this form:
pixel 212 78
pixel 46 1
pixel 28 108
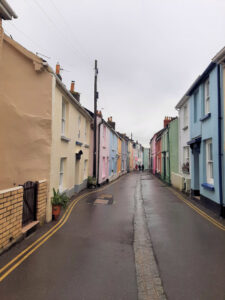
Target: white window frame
pixel 186 154
pixel 63 120
pixel 61 173
pixel 206 97
pixel 209 161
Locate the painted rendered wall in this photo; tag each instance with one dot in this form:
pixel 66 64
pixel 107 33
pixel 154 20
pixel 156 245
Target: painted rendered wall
pixel 91 150
pixel 173 144
pixel 146 158
pixel 184 137
pixel 25 117
pixel 119 156
pixel 131 156
pixel 124 156
pixel 113 151
pixel 104 153
pixel 158 156
pixel 165 175
pixel 206 129
pixel 153 154
pixel 75 177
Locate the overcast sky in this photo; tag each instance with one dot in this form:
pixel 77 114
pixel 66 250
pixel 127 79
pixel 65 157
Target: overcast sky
pixel 148 51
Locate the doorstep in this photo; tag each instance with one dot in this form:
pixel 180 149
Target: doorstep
pixel 29 228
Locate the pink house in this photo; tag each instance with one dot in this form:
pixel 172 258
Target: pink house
pixel 103 151
pixel 153 153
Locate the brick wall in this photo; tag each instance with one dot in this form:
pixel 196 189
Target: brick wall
pixel 11 209
pixel 41 200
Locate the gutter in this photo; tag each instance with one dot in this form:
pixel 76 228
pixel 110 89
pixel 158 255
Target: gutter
pixel 220 155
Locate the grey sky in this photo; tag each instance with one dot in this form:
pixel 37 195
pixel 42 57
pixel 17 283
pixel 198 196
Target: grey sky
pixel 149 52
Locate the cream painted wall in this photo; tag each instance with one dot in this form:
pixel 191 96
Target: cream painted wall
pixel 63 149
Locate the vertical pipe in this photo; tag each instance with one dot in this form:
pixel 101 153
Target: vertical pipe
pixel 95 120
pixel 220 156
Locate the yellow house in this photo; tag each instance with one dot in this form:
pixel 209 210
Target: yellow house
pixel 119 156
pixel 70 141
pixel 130 151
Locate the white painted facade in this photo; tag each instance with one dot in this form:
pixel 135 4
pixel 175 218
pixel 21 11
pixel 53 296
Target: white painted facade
pixel 184 149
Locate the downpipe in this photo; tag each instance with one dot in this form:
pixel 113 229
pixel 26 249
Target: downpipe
pixel 220 154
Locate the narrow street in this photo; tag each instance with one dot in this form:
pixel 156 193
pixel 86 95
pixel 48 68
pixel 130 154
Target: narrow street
pixel 94 254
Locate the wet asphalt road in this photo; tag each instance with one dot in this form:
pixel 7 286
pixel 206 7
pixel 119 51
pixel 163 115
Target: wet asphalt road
pixel 92 257
pixel 190 251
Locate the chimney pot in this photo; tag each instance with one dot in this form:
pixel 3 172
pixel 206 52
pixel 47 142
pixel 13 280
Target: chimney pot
pixel 57 70
pixel 72 87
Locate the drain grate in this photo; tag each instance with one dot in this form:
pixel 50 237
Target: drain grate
pixel 101 201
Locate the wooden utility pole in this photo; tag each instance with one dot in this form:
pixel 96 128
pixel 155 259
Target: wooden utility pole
pixel 95 120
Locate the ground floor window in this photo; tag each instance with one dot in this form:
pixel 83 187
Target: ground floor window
pixel 209 161
pixel 61 174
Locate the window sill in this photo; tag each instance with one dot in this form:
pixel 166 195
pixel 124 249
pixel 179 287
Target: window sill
pixel 65 139
pixel 205 117
pixel 79 143
pixel 185 127
pixel 208 186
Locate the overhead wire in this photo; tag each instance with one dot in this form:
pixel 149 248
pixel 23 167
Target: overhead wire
pixel 75 50
pixel 69 26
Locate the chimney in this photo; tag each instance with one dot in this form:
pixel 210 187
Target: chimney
pixel 167 120
pixel 57 71
pixel 72 86
pixel 111 123
pixel 99 113
pixel 72 91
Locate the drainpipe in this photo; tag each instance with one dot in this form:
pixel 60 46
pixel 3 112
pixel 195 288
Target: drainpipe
pixel 220 155
pixel 99 125
pixel 169 150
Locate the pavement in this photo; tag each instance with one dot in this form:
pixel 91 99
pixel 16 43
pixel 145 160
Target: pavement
pixel 133 239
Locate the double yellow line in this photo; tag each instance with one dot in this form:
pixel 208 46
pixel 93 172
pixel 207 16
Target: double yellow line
pixel 16 261
pixel 199 211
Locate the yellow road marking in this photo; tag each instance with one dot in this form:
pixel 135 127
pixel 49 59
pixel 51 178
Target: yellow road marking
pixel 199 211
pixel 48 234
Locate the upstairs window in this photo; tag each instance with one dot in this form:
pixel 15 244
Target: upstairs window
pixel 63 120
pixel 206 97
pixel 209 161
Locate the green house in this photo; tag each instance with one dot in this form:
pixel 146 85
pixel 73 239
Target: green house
pixel 170 161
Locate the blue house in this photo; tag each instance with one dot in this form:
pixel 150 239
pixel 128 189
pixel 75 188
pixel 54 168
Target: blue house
pixel 206 138
pixel 113 150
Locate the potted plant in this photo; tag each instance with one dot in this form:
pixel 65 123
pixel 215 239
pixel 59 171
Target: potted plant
pixel 92 182
pixel 58 200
